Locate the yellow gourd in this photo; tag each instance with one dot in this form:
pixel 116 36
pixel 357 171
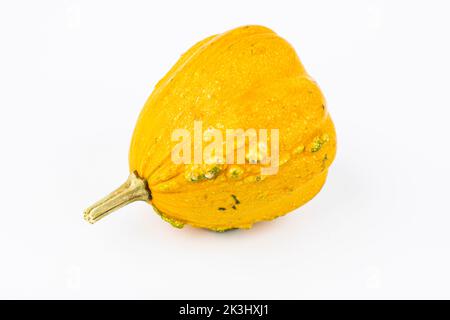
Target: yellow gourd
pixel 248 77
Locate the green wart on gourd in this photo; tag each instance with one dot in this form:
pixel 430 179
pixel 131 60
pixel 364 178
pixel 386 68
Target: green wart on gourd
pixel 175 223
pixel 318 142
pixel 201 173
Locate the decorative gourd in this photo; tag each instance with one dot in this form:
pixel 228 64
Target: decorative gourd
pixel 248 77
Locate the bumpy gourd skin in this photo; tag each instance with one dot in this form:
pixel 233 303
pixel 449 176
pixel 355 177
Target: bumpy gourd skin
pixel 248 77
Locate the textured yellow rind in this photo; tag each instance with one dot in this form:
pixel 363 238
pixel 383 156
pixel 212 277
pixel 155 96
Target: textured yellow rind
pixel 248 77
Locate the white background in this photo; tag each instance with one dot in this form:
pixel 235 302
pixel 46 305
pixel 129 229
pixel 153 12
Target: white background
pixel 73 78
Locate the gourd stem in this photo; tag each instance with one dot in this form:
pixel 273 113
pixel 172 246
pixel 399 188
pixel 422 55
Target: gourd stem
pixel 134 189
